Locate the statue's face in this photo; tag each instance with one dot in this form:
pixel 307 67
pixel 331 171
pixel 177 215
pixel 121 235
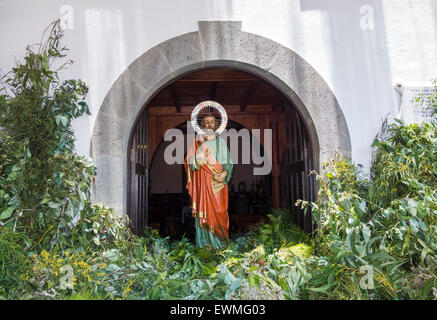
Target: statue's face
pixel 208 123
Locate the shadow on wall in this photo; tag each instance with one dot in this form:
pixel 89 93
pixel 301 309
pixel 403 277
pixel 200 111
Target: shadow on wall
pixel 361 67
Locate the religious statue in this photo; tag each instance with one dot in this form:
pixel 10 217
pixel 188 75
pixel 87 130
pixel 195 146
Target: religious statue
pixel 209 167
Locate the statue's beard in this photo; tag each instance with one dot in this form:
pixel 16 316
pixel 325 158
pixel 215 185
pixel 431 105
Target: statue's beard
pixel 209 132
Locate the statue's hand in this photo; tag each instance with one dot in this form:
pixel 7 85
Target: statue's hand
pixel 217 178
pixel 220 177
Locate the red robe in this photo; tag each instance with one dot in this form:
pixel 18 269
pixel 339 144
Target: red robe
pixel 209 199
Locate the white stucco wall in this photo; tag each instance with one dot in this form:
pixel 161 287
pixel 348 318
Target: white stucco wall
pixel 360 65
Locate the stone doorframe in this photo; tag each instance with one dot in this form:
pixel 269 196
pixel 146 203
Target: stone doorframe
pixel 215 44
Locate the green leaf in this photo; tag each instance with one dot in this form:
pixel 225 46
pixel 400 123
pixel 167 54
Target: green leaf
pixel 253 280
pixel 302 271
pixel 64 121
pixel 362 207
pixel 71 183
pixel 54 205
pixel 352 243
pixel 427 288
pixel 425 250
pixel 155 294
pixel 6 213
pixel 324 288
pixel 412 207
pixel 366 233
pixel 414 225
pixel 341 254
pixel 406 242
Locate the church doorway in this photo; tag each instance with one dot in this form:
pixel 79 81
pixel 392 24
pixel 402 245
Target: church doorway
pixel 156 190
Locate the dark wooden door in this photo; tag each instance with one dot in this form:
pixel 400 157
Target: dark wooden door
pixel 296 164
pixel 139 172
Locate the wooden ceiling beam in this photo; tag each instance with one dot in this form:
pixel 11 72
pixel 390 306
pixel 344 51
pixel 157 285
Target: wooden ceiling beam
pixel 230 110
pixel 248 95
pixel 213 92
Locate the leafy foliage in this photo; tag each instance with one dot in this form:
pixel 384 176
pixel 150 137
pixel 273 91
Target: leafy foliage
pixel 391 229
pixel 42 182
pixel 403 153
pixel 14 261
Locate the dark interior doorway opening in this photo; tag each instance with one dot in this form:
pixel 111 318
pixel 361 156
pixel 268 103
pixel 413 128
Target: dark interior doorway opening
pixel 157 194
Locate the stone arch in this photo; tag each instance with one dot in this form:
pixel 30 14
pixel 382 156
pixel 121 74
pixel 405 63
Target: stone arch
pixel 215 44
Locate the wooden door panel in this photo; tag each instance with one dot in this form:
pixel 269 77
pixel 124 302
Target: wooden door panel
pixel 295 167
